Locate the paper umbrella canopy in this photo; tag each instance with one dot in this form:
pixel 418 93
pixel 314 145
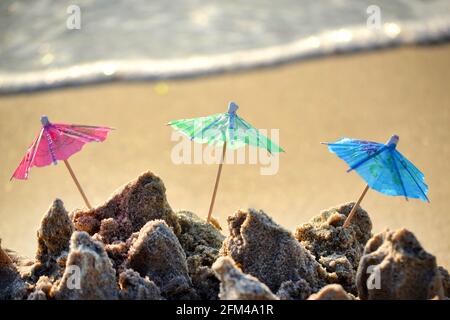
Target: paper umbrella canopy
pixel 224 127
pixel 57 141
pixel 382 166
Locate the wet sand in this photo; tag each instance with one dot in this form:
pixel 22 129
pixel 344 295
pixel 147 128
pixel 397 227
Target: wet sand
pixel 367 95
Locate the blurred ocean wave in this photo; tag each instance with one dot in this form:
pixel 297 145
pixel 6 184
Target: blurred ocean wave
pixel 138 39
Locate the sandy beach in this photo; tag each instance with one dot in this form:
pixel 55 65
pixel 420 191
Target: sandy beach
pixel 364 95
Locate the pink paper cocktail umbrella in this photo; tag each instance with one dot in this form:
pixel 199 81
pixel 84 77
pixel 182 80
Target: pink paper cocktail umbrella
pixel 58 141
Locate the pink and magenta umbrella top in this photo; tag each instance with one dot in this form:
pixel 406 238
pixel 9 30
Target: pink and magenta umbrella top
pixel 57 141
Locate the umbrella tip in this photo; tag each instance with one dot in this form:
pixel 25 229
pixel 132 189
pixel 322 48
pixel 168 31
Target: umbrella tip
pixel 393 141
pixel 44 120
pixel 232 107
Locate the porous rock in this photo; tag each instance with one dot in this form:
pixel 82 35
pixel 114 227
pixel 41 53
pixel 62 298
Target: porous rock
pixel 235 285
pixel 135 287
pixel 42 289
pixel 158 254
pixel 445 277
pixel 12 287
pixel 265 250
pixel 89 274
pixel 331 292
pixel 128 210
pixel 201 242
pixel 195 233
pixel 298 290
pixel 5 259
pixel 397 267
pixel 53 241
pixel 204 281
pixel 118 253
pixel 340 270
pixel 23 264
pixel 338 249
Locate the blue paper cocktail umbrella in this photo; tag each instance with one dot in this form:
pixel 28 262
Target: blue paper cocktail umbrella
pixel 383 168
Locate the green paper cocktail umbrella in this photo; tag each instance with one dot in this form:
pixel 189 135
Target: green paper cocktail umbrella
pixel 227 130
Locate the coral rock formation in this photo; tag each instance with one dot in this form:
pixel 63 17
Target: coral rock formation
pixel 5 259
pixel 235 285
pixel 196 233
pixel 134 247
pixel 445 277
pixel 298 290
pixel 397 267
pixel 53 241
pixel 12 287
pixel 331 292
pixel 341 270
pixel 201 242
pixel 338 249
pixel 158 254
pixel 89 274
pixel 128 210
pixel 134 287
pixel 270 253
pixel 42 289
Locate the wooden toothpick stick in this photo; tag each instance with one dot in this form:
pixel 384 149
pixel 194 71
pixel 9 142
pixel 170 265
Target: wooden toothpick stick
pixel 353 211
pixel 211 207
pixel 72 174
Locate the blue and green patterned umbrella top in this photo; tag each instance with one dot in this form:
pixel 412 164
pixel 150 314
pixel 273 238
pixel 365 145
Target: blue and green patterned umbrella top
pixel 224 127
pixel 382 167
